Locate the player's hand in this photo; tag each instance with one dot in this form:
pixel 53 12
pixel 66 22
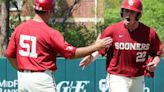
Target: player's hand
pixel 104 43
pixel 152 65
pixel 85 61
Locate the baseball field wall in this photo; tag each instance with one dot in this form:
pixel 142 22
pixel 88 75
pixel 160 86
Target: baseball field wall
pixel 71 78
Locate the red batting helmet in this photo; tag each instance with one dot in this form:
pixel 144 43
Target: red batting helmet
pixel 44 5
pixel 134 5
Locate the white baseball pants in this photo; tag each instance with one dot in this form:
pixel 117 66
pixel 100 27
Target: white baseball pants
pixel 125 84
pixel 36 81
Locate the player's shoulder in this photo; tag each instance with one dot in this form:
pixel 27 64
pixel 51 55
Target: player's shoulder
pixel 114 27
pixel 23 24
pixel 52 30
pixel 146 28
pixel 117 24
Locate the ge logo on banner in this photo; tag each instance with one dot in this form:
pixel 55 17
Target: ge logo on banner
pixel 72 86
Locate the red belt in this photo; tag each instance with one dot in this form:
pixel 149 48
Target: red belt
pixel 32 70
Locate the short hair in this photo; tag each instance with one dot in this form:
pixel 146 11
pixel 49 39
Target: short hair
pixel 39 12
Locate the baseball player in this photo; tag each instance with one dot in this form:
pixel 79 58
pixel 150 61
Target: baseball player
pixel 134 44
pixel 33 48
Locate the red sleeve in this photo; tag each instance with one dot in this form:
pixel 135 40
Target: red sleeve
pixel 156 45
pixel 61 46
pixel 11 49
pixel 106 33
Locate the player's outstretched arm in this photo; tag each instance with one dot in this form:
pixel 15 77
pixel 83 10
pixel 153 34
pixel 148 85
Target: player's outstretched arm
pixel 85 61
pixel 88 59
pixel 98 45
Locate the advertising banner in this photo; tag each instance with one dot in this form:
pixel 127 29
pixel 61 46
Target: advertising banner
pixel 69 77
